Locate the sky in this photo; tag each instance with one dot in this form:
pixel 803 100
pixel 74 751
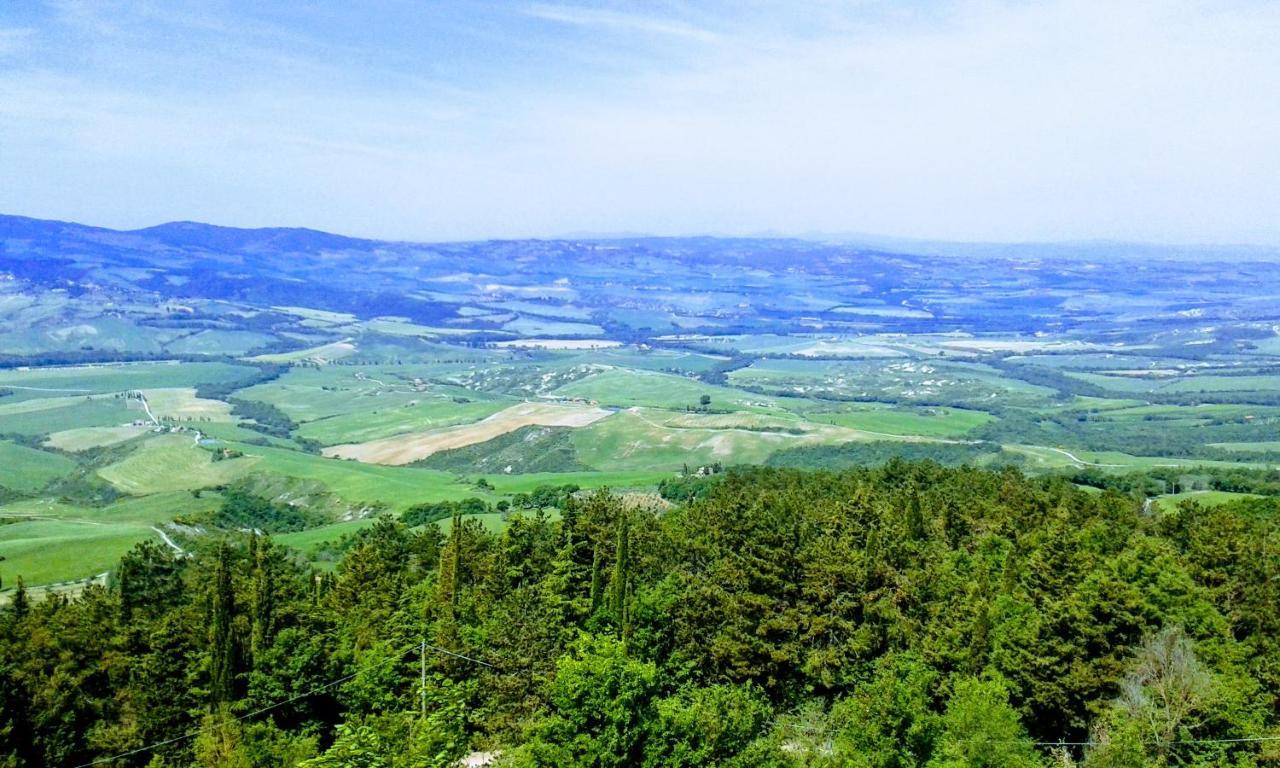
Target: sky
pixel 433 120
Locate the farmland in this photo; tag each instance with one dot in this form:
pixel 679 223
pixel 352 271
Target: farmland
pixel 441 383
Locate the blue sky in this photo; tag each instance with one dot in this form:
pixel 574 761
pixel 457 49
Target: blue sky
pixel 987 120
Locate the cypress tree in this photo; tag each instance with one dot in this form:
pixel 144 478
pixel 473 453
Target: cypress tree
pixel 221 640
pixel 597 579
pixel 621 587
pixel 455 558
pixel 20 605
pixel 263 599
pixel 915 518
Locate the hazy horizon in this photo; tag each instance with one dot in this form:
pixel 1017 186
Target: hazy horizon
pixel 963 122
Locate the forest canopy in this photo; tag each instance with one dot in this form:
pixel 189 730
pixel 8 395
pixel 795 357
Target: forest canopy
pixel 907 615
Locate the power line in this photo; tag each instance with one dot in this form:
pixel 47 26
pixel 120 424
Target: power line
pixel 1161 743
pixel 278 704
pixel 429 646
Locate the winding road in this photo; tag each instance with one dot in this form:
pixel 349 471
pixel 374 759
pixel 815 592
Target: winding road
pixel 165 537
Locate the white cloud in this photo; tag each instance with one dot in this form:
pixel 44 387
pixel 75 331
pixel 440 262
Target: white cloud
pixel 1063 119
pixel 619 21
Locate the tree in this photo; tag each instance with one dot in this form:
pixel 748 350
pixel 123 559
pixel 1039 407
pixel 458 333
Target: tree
pixel 149 579
pixel 888 720
pixel 597 579
pixel 357 746
pixel 620 587
pixel 981 730
pixel 20 606
pixel 455 558
pixel 218 745
pixel 1167 688
pixel 705 726
pixel 222 650
pixel 1172 708
pixel 601 701
pixel 262 609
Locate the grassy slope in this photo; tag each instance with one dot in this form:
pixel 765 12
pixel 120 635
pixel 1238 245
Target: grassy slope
pixel 624 388
pixel 122 377
pixel 397 487
pixel 26 469
pixel 172 463
pixel 391 419
pixel 930 422
pixel 83 438
pixel 45 416
pixel 61 542
pixel 1171 501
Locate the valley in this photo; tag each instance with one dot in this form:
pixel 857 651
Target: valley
pixel 147 374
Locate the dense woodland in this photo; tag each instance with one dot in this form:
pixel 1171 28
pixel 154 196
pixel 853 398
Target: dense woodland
pixel 908 615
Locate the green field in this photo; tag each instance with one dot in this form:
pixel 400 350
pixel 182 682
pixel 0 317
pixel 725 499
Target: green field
pixel 1261 445
pixel 395 487
pixel 46 542
pixel 625 388
pixel 930 422
pixel 84 438
pixel 779 392
pixel 640 438
pixel 167 463
pixel 388 418
pixel 1171 501
pixel 308 540
pixel 614 480
pixel 27 469
pixel 105 378
pixel 47 415
pixel 1043 457
pixel 218 343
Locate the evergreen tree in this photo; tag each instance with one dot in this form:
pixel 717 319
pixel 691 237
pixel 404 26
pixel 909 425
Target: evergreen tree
pixel 455 559
pixel 620 599
pixel 21 604
pixel 263 598
pixel 597 579
pixel 222 651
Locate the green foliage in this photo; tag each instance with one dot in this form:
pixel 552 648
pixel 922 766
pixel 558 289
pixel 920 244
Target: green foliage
pixel 241 510
pixel 981 730
pixel 1169 698
pixel 876 452
pixel 404 739
pixel 901 616
pixel 432 512
pixel 890 719
pixel 686 487
pixel 599 703
pixel 705 726
pixel 222 641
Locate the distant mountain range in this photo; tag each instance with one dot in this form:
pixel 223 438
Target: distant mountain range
pixel 631 288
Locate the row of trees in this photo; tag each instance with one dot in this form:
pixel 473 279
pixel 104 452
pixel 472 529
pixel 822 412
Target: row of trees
pixel 910 615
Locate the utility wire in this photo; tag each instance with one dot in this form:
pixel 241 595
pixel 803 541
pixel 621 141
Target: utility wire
pixel 819 730
pixel 1171 742
pixel 278 704
pixel 422 644
pixel 431 647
